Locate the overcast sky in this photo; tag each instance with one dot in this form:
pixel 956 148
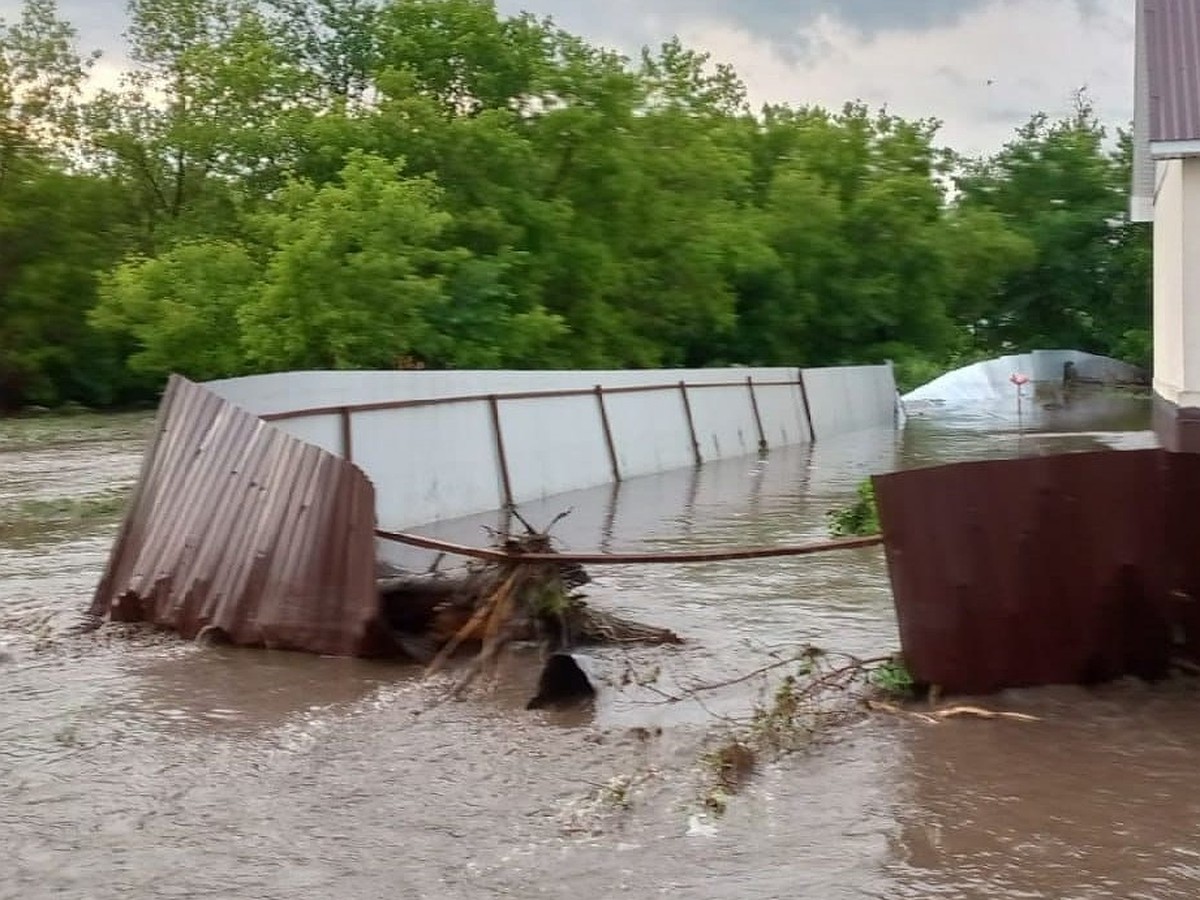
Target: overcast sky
pixel 981 66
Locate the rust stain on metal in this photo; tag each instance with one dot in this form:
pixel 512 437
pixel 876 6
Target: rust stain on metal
pixel 1048 570
pixel 385 405
pixel 238 525
pixel 347 432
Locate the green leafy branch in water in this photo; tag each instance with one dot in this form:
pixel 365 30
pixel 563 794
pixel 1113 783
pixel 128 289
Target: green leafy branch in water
pixel 815 696
pixel 892 679
pixel 859 519
pixel 819 691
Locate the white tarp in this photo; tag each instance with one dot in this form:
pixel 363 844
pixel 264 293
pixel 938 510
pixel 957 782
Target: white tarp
pixel 992 379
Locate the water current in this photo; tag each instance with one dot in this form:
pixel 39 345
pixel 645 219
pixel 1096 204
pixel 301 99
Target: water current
pixel 137 766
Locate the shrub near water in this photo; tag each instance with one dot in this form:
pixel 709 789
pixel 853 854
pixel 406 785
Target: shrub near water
pixel 892 679
pixel 859 519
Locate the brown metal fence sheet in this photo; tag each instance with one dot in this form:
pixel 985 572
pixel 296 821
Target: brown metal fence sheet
pixel 239 525
pixel 1182 540
pixel 1044 570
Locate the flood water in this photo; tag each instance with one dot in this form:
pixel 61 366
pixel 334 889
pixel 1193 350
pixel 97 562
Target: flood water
pixel 137 766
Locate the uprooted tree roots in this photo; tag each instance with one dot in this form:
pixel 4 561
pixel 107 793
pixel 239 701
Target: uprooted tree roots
pixel 434 615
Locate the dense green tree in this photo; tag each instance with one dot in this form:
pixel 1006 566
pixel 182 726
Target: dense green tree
pixel 1060 188
pixel 58 228
pixel 353 273
pixel 368 183
pixel 182 308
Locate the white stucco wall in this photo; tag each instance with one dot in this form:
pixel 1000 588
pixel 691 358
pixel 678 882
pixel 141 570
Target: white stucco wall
pixel 1169 229
pixel 431 463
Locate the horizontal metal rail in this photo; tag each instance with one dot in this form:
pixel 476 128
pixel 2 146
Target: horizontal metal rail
pixel 383 405
pixel 622 559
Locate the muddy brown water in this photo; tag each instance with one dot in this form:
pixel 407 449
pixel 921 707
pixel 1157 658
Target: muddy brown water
pixel 136 766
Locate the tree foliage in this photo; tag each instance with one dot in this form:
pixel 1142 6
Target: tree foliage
pixel 279 184
pixel 1084 281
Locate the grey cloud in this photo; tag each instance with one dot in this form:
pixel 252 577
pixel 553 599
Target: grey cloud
pixel 770 17
pixel 1007 115
pixel 955 77
pixel 781 23
pixel 632 23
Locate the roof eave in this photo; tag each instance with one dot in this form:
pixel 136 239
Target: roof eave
pixel 1175 149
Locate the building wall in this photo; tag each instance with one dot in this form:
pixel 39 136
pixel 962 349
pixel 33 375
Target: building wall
pixel 1169 281
pixel 435 462
pixel 1177 283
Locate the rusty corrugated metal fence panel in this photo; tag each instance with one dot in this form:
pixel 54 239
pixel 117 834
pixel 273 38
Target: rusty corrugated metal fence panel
pixel 1172 46
pixel 239 525
pixel 1183 550
pixel 1033 571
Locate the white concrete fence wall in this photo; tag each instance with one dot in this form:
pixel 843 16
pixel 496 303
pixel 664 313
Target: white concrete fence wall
pixel 495 436
pixel 850 398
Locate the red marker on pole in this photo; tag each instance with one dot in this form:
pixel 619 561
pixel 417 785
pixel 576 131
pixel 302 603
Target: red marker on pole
pixel 1019 381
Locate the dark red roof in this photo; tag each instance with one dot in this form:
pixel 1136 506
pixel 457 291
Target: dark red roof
pixel 1172 46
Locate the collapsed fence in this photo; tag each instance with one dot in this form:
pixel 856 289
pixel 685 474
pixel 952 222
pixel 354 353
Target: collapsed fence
pixel 239 528
pixel 1006 573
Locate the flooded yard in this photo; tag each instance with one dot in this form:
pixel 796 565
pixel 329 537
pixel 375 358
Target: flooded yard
pixel 133 765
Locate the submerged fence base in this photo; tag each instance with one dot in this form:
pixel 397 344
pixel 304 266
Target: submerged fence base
pixel 1068 569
